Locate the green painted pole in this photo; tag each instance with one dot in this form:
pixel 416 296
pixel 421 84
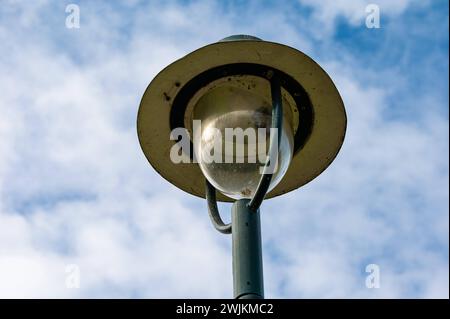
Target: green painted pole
pixel 247 253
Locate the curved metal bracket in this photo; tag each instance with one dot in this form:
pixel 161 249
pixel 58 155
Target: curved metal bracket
pixel 266 178
pixel 277 122
pixel 213 210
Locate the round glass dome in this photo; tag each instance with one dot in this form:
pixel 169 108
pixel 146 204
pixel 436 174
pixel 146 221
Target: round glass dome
pixel 231 140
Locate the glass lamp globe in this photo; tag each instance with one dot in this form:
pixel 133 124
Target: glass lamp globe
pixel 232 143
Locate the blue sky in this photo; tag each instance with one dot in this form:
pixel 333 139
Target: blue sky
pixel 76 189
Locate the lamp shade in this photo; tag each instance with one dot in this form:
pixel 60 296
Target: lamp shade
pixel 206 84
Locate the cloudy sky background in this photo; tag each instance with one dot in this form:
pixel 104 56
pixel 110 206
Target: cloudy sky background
pixel 75 187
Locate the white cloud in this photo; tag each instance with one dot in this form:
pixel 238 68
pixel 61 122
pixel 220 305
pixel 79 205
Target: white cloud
pixel 75 187
pixel 325 13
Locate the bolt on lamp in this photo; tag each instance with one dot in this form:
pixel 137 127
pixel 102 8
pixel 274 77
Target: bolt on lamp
pixel 241 82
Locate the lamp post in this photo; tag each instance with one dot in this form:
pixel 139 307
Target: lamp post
pixel 270 115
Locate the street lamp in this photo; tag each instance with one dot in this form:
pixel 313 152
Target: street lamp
pixel 261 119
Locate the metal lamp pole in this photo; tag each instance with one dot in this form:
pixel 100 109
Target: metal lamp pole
pixel 248 280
